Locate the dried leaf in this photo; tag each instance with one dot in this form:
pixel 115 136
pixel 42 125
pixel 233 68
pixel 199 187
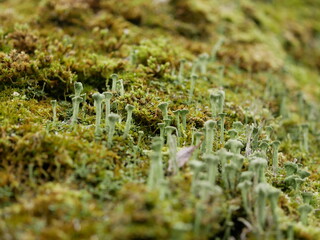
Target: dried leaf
pixel 185 154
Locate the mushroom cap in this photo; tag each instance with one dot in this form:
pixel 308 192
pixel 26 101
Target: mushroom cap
pixel 98 97
pixel 112 117
pixel 246 184
pixel 303 174
pixel 108 95
pixel 114 76
pixel 210 158
pixel 233 142
pixel 273 192
pixel 204 56
pixel 237 124
pixel 198 134
pixel 77 99
pixel 262 189
pixel 275 143
pixel 290 166
pixel 129 107
pixel 184 111
pixel 78 87
pixel 305 208
pixel 233 132
pixel 222 115
pixel 247 175
pixel 156 144
pixel 194 76
pixel 307 194
pixel 264 144
pixel 170 128
pixel 258 161
pixel 195 164
pixel 210 123
pixel 163 105
pixel 176 112
pixel 231 166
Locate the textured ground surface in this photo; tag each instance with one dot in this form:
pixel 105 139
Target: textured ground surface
pixel 60 182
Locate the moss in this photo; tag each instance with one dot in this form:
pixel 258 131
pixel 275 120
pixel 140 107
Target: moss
pixel 58 182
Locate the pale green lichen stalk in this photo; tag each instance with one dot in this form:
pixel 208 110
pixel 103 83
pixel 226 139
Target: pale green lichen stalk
pixel 129 109
pixel 112 119
pixel 98 98
pixel 108 96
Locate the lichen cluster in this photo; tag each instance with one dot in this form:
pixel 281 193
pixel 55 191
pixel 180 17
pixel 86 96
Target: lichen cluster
pixel 163 119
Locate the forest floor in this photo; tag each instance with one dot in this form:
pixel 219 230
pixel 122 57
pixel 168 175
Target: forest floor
pixel 64 179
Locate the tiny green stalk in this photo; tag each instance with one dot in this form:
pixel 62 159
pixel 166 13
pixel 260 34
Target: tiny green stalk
pixel 275 149
pixel 114 78
pixel 54 110
pixel 192 87
pixel 129 109
pixel 75 105
pixel 164 109
pixel 108 96
pixel 112 119
pixel 209 137
pixel 181 70
pixel 98 98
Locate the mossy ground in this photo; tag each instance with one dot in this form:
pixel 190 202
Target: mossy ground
pixel 59 183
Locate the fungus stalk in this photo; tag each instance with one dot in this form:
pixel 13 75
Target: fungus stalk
pixel 203 62
pixel 114 78
pixel 307 197
pixel 212 163
pixel 108 96
pixel 181 70
pixel 222 117
pixel 178 124
pixel 164 109
pixel 129 109
pixel 305 142
pixel 231 172
pixel 245 189
pixel 121 87
pixel 183 114
pixel 78 88
pixel 215 49
pixel 234 146
pixel 258 166
pixel 273 195
pixel 169 131
pixel 209 128
pixel 217 99
pixel 162 128
pixel 197 136
pixel 304 211
pixel 112 119
pixel 75 106
pixel 173 164
pixel 261 201
pixel 291 168
pixel 192 87
pixel 196 167
pixel 97 97
pixel 156 169
pixel 275 149
pixel 54 110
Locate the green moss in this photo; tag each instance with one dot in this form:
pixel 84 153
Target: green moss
pixel 63 183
